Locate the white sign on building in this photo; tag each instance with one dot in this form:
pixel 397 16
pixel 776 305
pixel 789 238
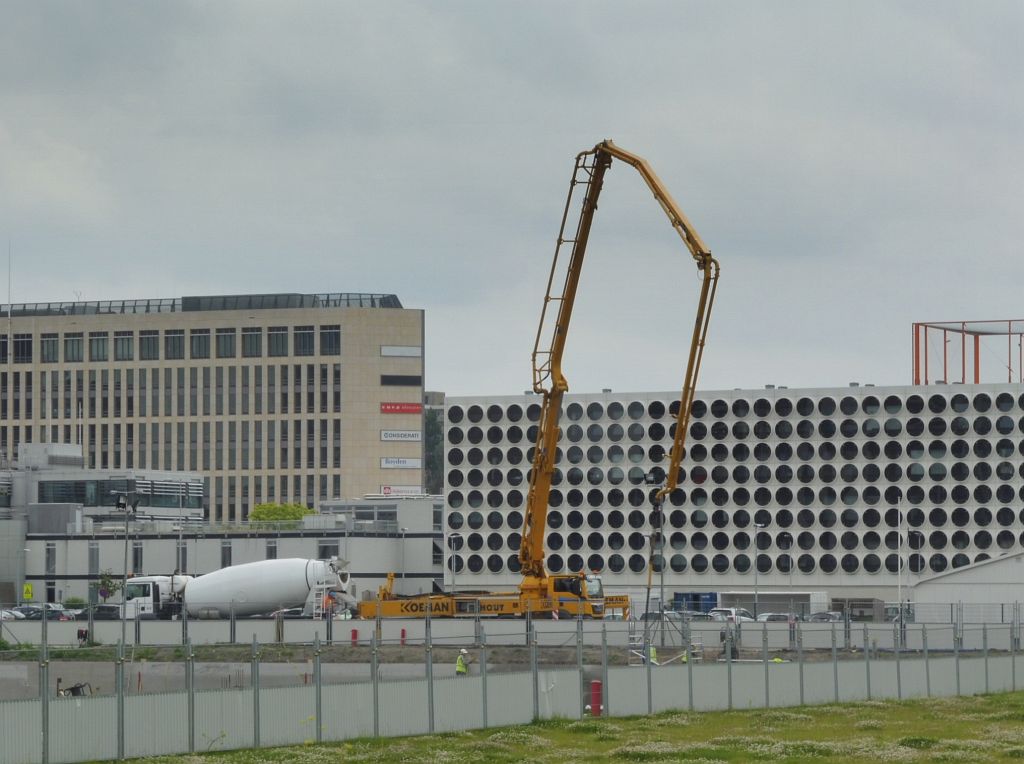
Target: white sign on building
pixel 405 436
pixel 401 490
pixel 400 463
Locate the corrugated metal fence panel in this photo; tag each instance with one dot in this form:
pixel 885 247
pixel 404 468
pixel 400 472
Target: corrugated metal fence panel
pixel 560 695
pixel 458 703
pixel 287 715
pixel 509 699
pixel 627 690
pixel 223 720
pixel 347 711
pixel 20 725
pixel 82 728
pixel 403 708
pixel 144 736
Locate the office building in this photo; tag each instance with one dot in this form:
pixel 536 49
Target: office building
pixel 273 398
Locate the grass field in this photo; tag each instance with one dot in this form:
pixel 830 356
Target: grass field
pixel 974 729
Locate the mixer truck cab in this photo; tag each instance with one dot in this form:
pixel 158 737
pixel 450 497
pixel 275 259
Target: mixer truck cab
pixel 154 596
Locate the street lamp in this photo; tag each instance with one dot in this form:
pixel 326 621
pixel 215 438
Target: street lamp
pixel 404 531
pixel 22 572
pixel 787 538
pixel 123 505
pixel 757 533
pixel 454 547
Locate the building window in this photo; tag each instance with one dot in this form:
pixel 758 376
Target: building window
pixel 98 346
pixel 400 380
pixel 225 554
pixel 330 340
pixel 137 558
pixel 326 549
pixel 252 342
pixel 174 344
pixel 49 348
pixel 182 561
pixel 23 348
pixel 124 349
pixel 277 340
pixel 73 347
pixel 199 346
pixel 304 340
pixel 225 343
pixel 149 345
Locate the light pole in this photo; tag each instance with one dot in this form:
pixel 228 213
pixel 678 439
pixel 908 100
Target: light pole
pixel 454 547
pixel 404 531
pixel 128 509
pixel 22 572
pixel 899 558
pixel 787 537
pixel 757 555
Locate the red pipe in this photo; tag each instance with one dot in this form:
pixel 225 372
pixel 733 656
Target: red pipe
pixel 596 697
pixel 355 637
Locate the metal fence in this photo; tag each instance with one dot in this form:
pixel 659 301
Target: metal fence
pixel 64 703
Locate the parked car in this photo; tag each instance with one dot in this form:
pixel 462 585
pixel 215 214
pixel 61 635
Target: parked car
pixel 734 614
pixel 100 613
pixel 828 616
pixel 778 617
pixel 8 614
pixel 36 613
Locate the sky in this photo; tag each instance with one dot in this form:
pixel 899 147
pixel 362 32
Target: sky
pixel 854 166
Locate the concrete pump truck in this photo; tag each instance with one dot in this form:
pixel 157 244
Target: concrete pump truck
pixel 540 593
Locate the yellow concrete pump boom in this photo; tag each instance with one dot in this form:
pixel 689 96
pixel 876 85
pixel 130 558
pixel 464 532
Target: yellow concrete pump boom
pixel 577 594
pixel 548 379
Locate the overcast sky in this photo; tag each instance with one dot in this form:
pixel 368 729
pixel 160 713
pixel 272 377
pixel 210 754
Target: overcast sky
pixel 854 166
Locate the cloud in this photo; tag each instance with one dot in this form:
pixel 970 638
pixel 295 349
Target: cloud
pixel 855 167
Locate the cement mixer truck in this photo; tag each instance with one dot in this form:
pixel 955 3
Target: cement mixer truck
pixel 249 589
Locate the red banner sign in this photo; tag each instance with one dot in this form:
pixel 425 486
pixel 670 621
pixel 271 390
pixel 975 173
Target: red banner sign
pixel 401 408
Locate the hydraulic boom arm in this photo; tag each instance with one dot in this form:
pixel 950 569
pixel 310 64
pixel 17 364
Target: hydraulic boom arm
pixel 548 379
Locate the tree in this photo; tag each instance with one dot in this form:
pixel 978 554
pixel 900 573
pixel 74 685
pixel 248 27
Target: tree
pixel 108 585
pixel 279 513
pixel 433 451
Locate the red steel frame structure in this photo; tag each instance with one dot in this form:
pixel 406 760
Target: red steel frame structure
pixel 1013 328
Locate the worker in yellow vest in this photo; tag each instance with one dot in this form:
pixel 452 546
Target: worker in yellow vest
pixel 462 663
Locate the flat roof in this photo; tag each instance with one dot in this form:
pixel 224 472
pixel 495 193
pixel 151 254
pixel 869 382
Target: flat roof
pixel 210 302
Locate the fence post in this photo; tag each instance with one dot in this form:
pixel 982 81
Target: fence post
pixel 728 662
pixel 318 683
pixel 529 626
pixel 604 670
pixel 231 624
pixel 800 658
pixel 184 625
pixel 927 666
pixel 138 630
pixel 190 689
pixel 1013 652
pixel 44 696
pixel 579 656
pixel 835 664
pixel 647 667
pixel 375 679
pixel 255 693
pixel 764 658
pixel 897 639
pixel 688 641
pixel 867 659
pixel 483 675
pixel 119 681
pixel 430 674
pixel 984 649
pixel 956 657
pixel 532 639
